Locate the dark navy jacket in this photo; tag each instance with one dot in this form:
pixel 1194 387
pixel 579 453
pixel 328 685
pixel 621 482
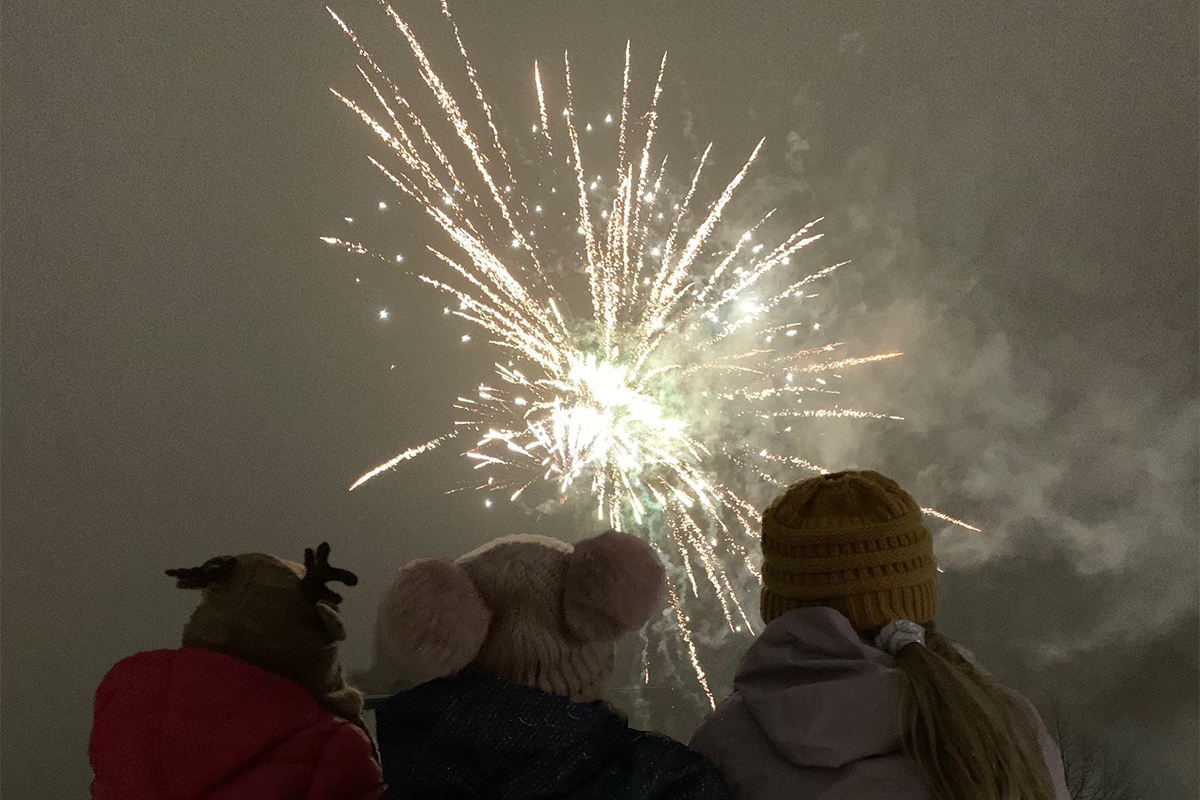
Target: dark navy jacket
pixel 475 738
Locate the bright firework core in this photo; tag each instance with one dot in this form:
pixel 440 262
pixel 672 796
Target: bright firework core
pixel 593 426
pixel 607 421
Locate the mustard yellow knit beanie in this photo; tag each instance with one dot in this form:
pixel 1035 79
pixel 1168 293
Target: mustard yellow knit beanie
pixel 852 541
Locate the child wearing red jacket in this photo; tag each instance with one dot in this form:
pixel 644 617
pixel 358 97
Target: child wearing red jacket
pixel 254 706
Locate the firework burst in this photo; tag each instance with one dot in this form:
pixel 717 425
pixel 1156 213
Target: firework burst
pixel 685 333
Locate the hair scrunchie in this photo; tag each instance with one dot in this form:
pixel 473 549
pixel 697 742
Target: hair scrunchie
pixel 898 634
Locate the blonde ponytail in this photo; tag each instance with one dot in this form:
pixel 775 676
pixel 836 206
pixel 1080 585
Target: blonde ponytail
pixel 854 541
pixel 967 734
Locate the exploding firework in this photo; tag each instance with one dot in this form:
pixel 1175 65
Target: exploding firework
pixel 685 334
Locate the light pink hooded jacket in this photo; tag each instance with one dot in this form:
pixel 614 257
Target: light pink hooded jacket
pixel 815 715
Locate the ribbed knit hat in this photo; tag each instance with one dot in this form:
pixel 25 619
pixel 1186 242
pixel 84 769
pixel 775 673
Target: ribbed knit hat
pixel 530 609
pixel 852 541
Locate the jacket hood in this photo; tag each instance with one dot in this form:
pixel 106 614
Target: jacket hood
pixel 187 721
pixel 486 737
pixel 821 695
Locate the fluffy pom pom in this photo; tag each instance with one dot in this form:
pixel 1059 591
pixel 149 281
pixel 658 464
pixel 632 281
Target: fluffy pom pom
pixel 612 584
pixel 433 618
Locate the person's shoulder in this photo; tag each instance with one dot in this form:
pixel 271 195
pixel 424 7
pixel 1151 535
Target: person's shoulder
pixel 319 735
pixel 346 766
pixel 344 738
pixel 139 672
pixel 662 745
pixel 730 711
pixel 678 770
pixel 188 663
pixel 148 661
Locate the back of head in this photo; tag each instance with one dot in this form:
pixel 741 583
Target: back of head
pixel 854 541
pixel 528 609
pixel 276 615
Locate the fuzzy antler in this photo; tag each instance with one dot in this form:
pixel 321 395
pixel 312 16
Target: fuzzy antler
pixel 206 574
pixel 317 571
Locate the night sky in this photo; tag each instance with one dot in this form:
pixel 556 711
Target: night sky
pixel 188 371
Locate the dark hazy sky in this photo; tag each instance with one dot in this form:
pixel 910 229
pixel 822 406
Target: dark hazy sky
pixel 188 372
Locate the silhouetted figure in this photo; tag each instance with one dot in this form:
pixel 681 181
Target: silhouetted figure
pixel 517 640
pixel 254 706
pixel 851 692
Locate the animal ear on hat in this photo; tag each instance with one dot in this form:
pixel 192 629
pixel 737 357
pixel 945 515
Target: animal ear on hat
pixel 212 571
pixel 612 584
pixel 433 618
pixel 332 622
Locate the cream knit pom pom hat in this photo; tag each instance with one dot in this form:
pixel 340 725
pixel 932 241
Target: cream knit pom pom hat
pixel 529 609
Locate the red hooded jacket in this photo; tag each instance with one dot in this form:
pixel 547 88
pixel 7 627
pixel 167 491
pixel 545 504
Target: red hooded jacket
pixel 194 724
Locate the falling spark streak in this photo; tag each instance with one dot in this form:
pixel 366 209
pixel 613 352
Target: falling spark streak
pixel 933 512
pixel 541 96
pixel 614 404
pixel 830 366
pixel 774 391
pixel 411 452
pixel 349 247
pixel 823 413
pixel 794 461
pixel 691 646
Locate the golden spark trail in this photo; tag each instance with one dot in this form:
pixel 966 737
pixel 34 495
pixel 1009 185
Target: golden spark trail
pixel 691 646
pixel 412 452
pixel 933 512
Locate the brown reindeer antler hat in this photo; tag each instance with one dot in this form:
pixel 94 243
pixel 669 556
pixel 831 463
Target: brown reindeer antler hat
pixel 277 615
